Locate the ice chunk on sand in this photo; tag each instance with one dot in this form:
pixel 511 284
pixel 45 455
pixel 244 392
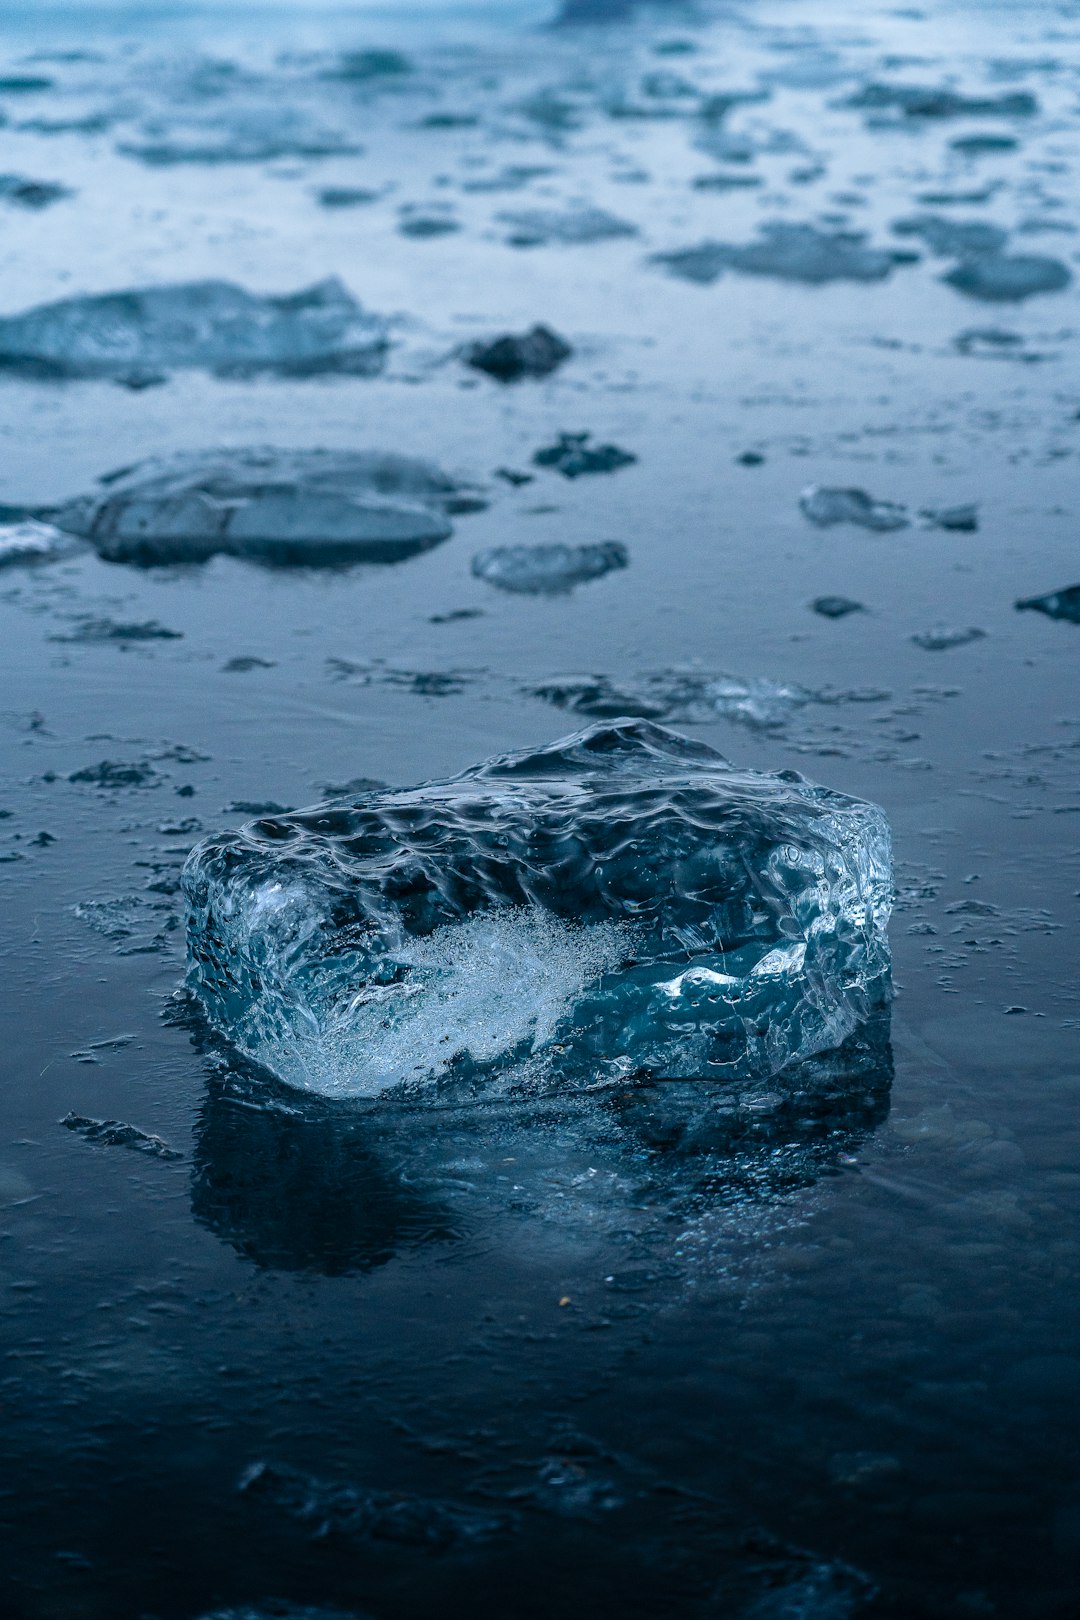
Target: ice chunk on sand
pixel 535 353
pixel 285 506
pixel 30 541
pixel 825 506
pixel 622 901
pixel 788 252
pixel 1063 604
pixel 540 570
pixel 209 325
pixel 1008 278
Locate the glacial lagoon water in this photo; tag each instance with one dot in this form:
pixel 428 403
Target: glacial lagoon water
pixel 567 1336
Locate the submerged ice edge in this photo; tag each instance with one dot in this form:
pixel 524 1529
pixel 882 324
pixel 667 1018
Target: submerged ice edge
pixel 624 902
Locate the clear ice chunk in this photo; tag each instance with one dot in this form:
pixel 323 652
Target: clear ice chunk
pixel 621 902
pixel 535 353
pixel 825 506
pixel 285 506
pixel 547 570
pixel 207 325
pixel 30 541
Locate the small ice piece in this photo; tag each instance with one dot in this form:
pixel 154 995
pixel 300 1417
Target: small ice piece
pixel 30 541
pixel 960 519
pixel 943 636
pixel 921 101
pixel 35 194
pixel 1008 279
pixel 622 901
pixel 424 222
pixel 788 252
pixel 826 506
pixel 547 569
pixel 993 342
pixel 953 238
pixel 836 607
pixel 208 325
pixel 572 455
pixel 577 227
pixel 114 1133
pixel 309 507
pixel 1063 604
pixel 535 353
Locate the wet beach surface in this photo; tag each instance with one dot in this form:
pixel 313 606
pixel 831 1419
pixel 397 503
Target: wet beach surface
pixel 274 1354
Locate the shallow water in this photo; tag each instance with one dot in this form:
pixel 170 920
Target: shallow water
pixel 631 1375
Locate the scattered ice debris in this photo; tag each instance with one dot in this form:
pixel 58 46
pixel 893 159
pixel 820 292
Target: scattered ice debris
pixel 35 194
pixel 572 455
pixel 825 506
pixel 951 238
pixel 88 629
pixel 943 636
pixel 210 325
pixel 547 569
pixel 623 900
pixel 836 607
pixel 31 541
pixel 920 101
pixel 1003 278
pixel 788 252
pixel 352 1513
pixel 984 145
pixel 1063 604
pixel 114 1133
pixel 576 227
pixel 284 506
pixel 535 353
pixel 959 519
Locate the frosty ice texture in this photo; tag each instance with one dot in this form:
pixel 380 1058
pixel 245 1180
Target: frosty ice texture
pixel 298 506
pixel 212 325
pixel 623 901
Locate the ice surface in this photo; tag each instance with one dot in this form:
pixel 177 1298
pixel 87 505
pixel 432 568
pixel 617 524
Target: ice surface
pixel 1008 279
pixel 210 325
pixel 825 506
pixel 788 252
pixel 287 506
pixel 623 901
pixel 548 569
pixel 1063 604
pixel 526 354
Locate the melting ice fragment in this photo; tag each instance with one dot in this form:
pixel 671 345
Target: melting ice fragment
pixel 547 570
pixel 285 506
pixel 30 541
pixel 208 325
pixel 622 901
pixel 826 506
pixel 1063 604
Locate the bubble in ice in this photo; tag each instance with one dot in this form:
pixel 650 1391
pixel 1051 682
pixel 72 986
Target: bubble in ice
pixel 284 506
pixel 826 505
pixel 622 901
pixel 207 325
pixel 547 569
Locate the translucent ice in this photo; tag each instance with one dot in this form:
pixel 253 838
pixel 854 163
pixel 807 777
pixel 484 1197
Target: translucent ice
pixel 825 506
pixel 210 325
pixel 623 901
pixel 30 541
pixel 298 506
pixel 540 570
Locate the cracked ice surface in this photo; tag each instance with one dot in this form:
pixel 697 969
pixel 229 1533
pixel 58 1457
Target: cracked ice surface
pixel 623 901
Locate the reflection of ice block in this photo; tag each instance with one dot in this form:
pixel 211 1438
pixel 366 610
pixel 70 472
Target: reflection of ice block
pixel 623 901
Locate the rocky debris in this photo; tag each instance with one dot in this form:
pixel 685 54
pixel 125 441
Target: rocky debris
pixel 573 455
pixel 1063 604
pixel 826 506
pixel 547 569
pixel 206 325
pixel 535 353
pixel 292 507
